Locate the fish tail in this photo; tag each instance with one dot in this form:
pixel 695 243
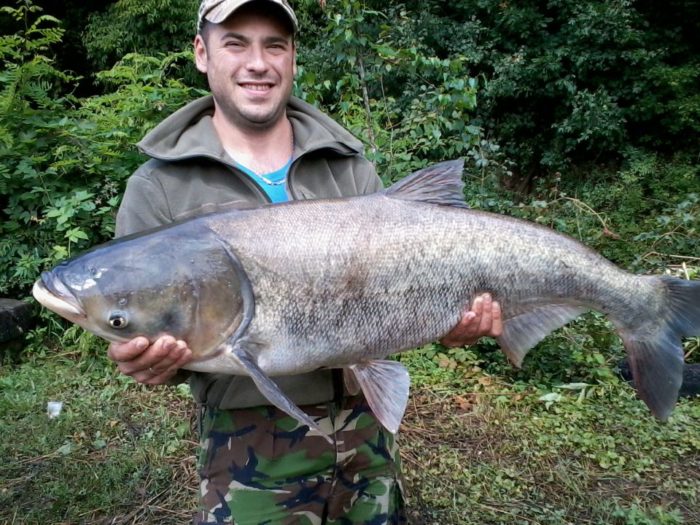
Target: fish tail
pixel 655 350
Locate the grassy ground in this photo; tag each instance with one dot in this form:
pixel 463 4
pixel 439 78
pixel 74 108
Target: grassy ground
pixel 480 444
pixel 600 462
pixel 118 453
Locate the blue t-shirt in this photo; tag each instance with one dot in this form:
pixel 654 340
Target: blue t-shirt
pixel 274 184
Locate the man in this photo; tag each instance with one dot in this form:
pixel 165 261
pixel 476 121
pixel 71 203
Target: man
pixel 250 142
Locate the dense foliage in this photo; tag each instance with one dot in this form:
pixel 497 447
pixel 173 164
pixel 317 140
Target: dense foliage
pixel 65 159
pixel 590 106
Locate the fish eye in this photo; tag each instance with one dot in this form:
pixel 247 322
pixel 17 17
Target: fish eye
pixel 118 320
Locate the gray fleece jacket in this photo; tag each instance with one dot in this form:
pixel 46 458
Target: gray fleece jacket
pixel 189 173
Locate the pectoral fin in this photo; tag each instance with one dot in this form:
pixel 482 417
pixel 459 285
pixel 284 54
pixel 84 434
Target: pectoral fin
pixel 271 391
pixel 385 385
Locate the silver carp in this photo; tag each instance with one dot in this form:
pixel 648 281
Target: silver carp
pixel 343 283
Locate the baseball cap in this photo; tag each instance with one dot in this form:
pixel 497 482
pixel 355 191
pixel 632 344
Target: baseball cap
pixel 216 11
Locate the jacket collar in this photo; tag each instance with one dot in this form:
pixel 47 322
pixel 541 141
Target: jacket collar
pixel 189 133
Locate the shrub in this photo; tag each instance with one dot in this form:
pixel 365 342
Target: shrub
pixel 65 159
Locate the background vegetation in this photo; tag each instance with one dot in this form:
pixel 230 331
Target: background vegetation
pixel 582 115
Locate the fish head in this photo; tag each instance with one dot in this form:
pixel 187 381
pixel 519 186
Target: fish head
pixel 172 281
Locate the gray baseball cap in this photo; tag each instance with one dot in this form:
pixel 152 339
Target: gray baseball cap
pixel 216 11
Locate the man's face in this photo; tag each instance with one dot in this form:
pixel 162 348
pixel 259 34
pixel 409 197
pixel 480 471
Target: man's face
pixel 250 62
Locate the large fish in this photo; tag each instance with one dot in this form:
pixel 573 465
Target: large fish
pixel 343 283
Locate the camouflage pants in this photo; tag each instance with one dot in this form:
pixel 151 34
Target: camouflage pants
pixel 258 466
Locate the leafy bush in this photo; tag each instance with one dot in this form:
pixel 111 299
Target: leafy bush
pixel 566 83
pixel 407 104
pixel 65 159
pixel 643 216
pixel 148 27
pixel 560 84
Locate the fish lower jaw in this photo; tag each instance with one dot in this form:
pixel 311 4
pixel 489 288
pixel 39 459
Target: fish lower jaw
pixel 58 305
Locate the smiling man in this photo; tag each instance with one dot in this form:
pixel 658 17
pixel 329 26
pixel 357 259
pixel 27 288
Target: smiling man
pixel 250 142
pixel 250 63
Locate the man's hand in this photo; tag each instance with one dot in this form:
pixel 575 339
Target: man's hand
pixel 150 365
pixel 484 319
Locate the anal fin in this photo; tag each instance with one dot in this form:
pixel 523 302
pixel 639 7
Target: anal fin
pixel 272 392
pixel 385 385
pixel 526 328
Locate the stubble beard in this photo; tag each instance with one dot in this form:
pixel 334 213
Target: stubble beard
pixel 250 119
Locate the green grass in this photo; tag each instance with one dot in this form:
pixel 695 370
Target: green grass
pixel 562 441
pixel 481 443
pixel 118 452
pixel 603 460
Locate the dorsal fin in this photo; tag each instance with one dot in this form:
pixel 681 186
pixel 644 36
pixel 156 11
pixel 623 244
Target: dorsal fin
pixel 437 184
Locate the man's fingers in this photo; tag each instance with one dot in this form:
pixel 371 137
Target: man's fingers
pixel 497 316
pixel 151 365
pixel 162 375
pixel 486 315
pixel 149 358
pixel 462 332
pixel 177 357
pixel 174 355
pixel 159 356
pixel 478 306
pixel 484 319
pixel 127 351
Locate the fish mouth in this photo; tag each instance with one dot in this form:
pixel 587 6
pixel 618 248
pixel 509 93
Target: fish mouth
pixel 50 291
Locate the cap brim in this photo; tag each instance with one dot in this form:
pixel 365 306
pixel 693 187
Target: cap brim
pixel 222 11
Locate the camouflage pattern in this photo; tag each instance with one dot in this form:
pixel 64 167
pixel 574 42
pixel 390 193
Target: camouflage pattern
pixel 260 466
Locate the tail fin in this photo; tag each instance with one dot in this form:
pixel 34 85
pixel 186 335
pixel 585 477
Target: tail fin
pixel 656 354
